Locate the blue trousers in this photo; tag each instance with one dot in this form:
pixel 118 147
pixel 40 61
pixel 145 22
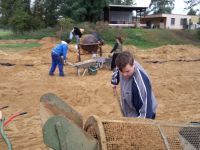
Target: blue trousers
pixel 56 60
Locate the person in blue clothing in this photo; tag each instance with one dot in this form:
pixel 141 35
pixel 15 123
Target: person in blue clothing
pixel 59 57
pixel 137 98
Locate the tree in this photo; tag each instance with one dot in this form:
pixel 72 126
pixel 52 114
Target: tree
pixel 51 12
pixel 81 10
pixel 161 6
pixel 115 2
pixel 191 12
pixel 94 9
pixel 38 13
pixel 20 18
pixel 6 10
pixel 122 2
pixel 20 21
pixel 192 3
pixel 73 9
pixel 129 2
pixel 38 8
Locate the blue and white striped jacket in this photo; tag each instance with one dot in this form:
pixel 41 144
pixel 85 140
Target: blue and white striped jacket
pixel 143 102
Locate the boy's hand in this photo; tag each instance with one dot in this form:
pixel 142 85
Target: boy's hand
pixel 114 86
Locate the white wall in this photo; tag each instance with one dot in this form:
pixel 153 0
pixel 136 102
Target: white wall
pixel 178 18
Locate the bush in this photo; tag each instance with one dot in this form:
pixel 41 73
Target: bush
pixel 65 23
pixel 20 22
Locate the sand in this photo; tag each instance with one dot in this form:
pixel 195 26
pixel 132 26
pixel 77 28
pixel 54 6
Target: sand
pixel 174 71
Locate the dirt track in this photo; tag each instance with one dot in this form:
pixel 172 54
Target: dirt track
pixel 174 71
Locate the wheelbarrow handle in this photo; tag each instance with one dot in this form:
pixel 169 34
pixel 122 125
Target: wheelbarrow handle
pixel 3 107
pixel 12 117
pixel 118 100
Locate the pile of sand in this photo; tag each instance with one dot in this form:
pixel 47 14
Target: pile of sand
pixel 175 84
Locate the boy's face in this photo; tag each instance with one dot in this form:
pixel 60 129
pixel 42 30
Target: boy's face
pixel 128 71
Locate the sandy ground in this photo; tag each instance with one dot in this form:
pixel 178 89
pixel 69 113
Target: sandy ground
pixel 174 70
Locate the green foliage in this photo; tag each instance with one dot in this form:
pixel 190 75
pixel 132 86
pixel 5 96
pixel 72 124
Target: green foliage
pixel 191 12
pixel 65 23
pixel 73 9
pixel 192 3
pixel 51 12
pixel 150 38
pixel 122 2
pixel 38 13
pixel 4 33
pixel 141 38
pixel 36 23
pixel 48 32
pixel 6 10
pixel 20 22
pixel 161 6
pixel 18 45
pixel 21 17
pixel 81 10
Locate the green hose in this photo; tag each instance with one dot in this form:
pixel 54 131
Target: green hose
pixel 3 134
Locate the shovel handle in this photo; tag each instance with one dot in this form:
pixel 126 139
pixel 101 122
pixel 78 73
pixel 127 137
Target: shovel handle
pixel 118 100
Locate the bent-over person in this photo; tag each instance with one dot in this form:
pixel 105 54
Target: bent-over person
pixel 137 96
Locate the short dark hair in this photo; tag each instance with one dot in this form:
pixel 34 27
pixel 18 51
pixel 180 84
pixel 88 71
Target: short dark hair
pixel 67 40
pixel 123 59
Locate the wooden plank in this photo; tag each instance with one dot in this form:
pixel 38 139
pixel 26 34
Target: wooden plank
pixel 85 64
pixel 51 105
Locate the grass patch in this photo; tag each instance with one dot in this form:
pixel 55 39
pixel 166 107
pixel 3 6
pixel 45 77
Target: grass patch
pixel 150 38
pixel 48 32
pixel 13 47
pixel 4 33
pixel 141 38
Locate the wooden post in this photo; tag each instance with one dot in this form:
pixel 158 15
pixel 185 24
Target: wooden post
pixel 79 53
pixel 100 49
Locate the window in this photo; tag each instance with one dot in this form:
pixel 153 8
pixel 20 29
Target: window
pixel 172 21
pixel 183 21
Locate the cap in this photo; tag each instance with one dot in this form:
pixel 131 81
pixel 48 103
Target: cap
pixel 82 30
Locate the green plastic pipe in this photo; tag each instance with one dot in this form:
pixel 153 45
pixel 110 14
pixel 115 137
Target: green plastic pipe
pixel 3 134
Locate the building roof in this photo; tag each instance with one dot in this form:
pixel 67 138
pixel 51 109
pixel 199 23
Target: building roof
pixel 164 15
pixel 125 8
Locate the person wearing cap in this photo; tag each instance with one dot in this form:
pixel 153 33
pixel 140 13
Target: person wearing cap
pixel 137 98
pixel 59 57
pixel 77 33
pixel 117 48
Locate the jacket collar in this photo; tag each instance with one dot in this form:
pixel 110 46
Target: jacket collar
pixel 63 42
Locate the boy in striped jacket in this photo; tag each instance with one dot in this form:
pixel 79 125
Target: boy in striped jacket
pixel 137 98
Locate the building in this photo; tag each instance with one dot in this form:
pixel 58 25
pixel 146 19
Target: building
pixel 122 15
pixel 171 21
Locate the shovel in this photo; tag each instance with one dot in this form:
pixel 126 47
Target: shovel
pixel 118 100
